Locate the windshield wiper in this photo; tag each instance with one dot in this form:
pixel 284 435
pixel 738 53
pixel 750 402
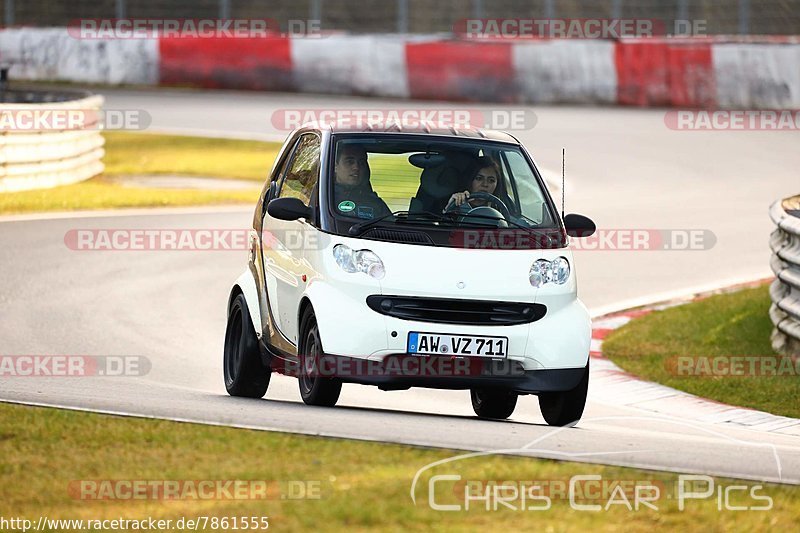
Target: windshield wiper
pixel 358 229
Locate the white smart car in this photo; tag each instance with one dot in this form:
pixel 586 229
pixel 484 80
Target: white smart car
pixel 411 257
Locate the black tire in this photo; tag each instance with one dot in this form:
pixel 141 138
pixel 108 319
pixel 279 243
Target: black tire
pixel 565 408
pixel 314 389
pixel 494 404
pixel 245 374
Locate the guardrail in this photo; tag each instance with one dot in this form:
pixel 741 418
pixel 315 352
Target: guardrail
pixel 40 157
pixel 785 262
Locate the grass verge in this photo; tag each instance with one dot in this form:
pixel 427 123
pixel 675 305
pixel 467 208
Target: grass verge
pixel 144 154
pixel 734 324
pixel 360 485
pixel 97 193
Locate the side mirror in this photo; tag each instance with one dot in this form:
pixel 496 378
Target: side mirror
pixel 579 225
pixel 288 209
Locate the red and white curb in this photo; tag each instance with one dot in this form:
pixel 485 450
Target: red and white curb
pixel 611 384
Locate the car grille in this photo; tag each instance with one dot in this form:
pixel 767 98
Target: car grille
pixel 452 311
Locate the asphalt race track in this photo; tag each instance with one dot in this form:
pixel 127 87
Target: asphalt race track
pixel 625 169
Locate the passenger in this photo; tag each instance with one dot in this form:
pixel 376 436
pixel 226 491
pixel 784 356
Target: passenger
pixel 485 178
pixel 353 191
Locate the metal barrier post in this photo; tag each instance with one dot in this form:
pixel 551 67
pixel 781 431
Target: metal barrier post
pixel 616 9
pixel 8 13
pixel 477 9
pixel 550 9
pixel 224 9
pixel 120 9
pixel 315 11
pixel 744 17
pixel 683 10
pixel 402 16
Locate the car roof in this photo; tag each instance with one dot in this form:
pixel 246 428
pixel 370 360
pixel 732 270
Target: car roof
pixel 410 129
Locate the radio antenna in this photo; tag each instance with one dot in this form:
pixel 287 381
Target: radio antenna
pixel 563 182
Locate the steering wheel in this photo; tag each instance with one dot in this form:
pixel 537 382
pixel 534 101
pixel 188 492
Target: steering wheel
pixel 451 206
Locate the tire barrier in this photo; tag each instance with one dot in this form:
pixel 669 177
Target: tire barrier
pixel 49 138
pixel 785 263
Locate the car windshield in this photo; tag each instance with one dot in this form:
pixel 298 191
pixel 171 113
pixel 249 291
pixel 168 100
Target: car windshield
pixel 434 182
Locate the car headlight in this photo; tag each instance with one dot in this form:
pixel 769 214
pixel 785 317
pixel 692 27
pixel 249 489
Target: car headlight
pixel 365 261
pixel 544 271
pixel 560 270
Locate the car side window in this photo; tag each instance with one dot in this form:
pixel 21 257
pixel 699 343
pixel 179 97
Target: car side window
pixel 282 169
pixel 273 185
pixel 531 199
pixel 303 173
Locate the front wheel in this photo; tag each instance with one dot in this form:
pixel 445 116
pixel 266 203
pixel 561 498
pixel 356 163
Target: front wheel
pixel 315 389
pixel 245 374
pixel 565 408
pixel 494 404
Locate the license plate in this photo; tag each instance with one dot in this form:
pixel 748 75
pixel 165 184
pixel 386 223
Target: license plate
pixel 461 345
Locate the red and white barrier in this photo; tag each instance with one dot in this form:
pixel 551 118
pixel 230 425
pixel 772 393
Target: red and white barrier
pixel 564 71
pixel 757 76
pixel 461 70
pixel 368 65
pixel 52 54
pixel 693 73
pixel 665 73
pixel 262 64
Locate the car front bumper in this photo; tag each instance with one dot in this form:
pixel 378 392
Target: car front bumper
pixel 350 329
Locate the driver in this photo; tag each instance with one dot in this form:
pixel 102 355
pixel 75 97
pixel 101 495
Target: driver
pixel 485 178
pixel 353 192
